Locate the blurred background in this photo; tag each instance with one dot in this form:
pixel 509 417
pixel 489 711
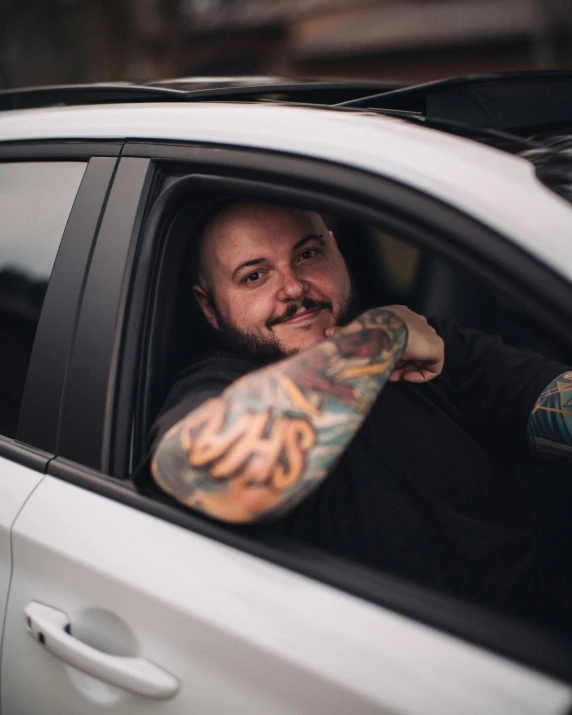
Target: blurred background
pixel 74 41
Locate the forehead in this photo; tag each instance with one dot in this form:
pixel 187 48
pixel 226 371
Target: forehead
pixel 255 230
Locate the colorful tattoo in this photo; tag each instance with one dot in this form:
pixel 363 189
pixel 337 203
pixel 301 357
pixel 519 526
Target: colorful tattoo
pixel 271 437
pixel 550 424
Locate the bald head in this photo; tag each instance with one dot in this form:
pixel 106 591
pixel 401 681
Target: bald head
pixel 271 272
pixel 234 221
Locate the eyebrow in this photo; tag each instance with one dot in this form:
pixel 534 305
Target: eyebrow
pixel 307 238
pixel 298 244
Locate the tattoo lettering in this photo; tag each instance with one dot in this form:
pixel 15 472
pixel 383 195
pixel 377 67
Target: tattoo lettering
pixel 271 437
pixel 550 424
pixel 258 447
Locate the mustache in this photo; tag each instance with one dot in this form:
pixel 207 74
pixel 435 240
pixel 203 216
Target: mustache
pixel 293 308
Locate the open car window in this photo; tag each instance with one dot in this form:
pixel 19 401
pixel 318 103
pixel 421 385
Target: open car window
pixel 390 268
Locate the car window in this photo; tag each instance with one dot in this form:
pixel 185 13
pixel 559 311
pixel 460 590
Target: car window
pixel 35 202
pixel 387 268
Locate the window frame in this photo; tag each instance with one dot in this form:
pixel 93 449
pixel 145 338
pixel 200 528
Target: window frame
pixel 37 433
pixel 429 222
pixel 90 410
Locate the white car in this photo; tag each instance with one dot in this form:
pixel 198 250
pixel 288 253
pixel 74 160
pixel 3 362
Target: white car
pixel 122 602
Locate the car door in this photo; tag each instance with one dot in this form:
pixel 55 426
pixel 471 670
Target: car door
pixel 120 602
pixel 43 195
pixel 114 609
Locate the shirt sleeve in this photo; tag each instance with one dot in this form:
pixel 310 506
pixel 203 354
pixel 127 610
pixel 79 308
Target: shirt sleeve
pixel 495 386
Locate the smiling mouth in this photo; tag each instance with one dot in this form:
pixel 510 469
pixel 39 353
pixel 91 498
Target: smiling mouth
pixel 303 315
pixel 301 312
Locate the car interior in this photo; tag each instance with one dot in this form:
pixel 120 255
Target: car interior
pixel 387 269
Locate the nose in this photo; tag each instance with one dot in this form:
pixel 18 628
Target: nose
pixel 291 286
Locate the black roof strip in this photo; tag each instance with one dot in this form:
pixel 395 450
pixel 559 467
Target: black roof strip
pixel 297 91
pixel 32 97
pixel 328 92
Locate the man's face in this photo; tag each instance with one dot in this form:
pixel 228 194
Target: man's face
pixel 275 278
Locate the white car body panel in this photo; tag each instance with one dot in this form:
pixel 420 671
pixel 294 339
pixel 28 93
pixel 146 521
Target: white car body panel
pixel 242 635
pixel 495 188
pixel 16 485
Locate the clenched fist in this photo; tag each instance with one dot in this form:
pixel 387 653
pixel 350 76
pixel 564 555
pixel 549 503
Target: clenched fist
pixel 424 353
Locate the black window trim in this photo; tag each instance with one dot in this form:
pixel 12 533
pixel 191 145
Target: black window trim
pixel 88 408
pixel 54 149
pixel 24 454
pixel 312 182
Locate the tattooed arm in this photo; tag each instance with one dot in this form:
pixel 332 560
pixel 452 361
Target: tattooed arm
pixel 271 437
pixel 550 424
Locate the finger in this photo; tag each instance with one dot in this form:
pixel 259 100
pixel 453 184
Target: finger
pixel 417 377
pixel 429 367
pixel 432 370
pixel 403 371
pixel 422 375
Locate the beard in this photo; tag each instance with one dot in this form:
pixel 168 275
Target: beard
pixel 267 348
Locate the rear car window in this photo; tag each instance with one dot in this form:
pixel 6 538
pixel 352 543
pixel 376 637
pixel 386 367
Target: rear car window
pixel 35 202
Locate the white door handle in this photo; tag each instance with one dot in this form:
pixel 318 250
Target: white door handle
pixel 51 628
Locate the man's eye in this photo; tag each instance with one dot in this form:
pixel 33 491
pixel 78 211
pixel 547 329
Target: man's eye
pixel 252 277
pixel 307 254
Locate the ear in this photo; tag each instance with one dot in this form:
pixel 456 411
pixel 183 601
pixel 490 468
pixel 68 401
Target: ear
pixel 333 237
pixel 205 303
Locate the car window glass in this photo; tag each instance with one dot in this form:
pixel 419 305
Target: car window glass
pixel 35 203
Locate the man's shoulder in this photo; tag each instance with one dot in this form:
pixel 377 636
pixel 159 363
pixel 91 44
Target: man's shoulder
pixel 216 361
pixel 208 361
pixel 207 376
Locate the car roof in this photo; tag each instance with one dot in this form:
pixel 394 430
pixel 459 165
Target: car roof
pixel 519 102
pixel 496 188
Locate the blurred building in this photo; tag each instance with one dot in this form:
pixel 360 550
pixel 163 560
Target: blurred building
pixel 409 39
pixel 85 40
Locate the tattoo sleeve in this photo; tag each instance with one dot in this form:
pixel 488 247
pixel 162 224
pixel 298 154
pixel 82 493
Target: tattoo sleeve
pixel 271 437
pixel 550 424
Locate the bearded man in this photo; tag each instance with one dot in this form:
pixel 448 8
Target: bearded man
pixel 384 437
